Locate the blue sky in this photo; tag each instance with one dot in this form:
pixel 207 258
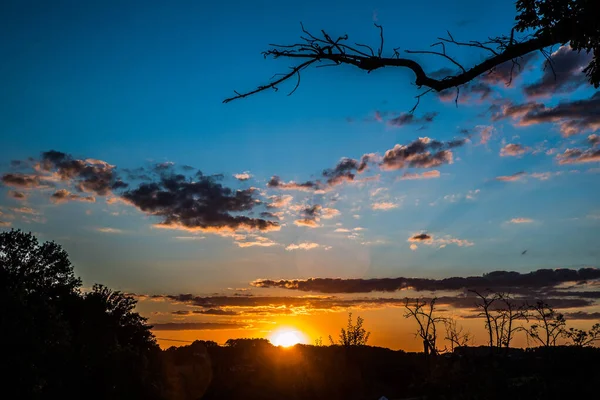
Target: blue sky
pixel 142 83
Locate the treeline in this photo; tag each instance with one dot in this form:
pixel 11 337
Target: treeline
pixel 62 342
pixel 255 369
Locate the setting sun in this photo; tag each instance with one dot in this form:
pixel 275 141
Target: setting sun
pixel 286 337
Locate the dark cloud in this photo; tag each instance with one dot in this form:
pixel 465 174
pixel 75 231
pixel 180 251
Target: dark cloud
pixel 63 196
pixel 266 214
pixel 410 119
pixel 422 153
pixel 202 204
pixel 420 237
pixel 593 140
pixel 572 117
pixel 211 311
pixel 17 195
pixel 583 315
pixel 196 326
pixel 578 156
pixel 346 169
pixel 498 280
pixel 88 175
pixel 266 305
pixel 21 180
pixel 276 183
pixel 562 74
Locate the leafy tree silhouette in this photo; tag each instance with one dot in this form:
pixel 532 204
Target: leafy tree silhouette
pixel 61 342
pixel 354 334
pixel 539 24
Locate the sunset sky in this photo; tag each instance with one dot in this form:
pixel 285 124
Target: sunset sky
pixel 116 144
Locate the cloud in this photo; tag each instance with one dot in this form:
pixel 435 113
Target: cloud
pixel 210 311
pixel 508 71
pixel 17 195
pixel 472 92
pixel 512 178
pixel 303 246
pixel 279 201
pixel 593 140
pixel 410 119
pixel 497 280
pixel 5 224
pixel 582 315
pixel 200 205
pixel 24 210
pixel 88 175
pixel 577 156
pixel 276 183
pixel 562 74
pixel 63 196
pixel 310 223
pixel 342 230
pixel 190 237
pixel 422 153
pixel 442 242
pixel 109 230
pixel 258 241
pixel 513 150
pixel 521 221
pixel 384 206
pixel 328 213
pixel 19 180
pixel 244 176
pixel 485 133
pixel 196 326
pixel 421 237
pixel 572 117
pixel 425 175
pixel 345 170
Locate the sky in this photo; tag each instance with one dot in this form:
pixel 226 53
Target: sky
pixel 117 145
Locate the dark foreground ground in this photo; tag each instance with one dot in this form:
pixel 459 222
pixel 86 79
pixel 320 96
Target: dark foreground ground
pixel 248 370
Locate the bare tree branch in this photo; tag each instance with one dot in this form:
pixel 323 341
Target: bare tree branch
pixel 313 49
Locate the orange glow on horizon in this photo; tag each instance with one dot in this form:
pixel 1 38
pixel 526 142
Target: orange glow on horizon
pixel 287 337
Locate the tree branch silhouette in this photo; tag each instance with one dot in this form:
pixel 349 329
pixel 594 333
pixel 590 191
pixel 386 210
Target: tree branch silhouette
pixel 541 24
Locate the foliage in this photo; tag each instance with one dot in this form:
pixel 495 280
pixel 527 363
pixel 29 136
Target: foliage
pixel 582 338
pixel 572 21
pixel 62 342
pixel 354 334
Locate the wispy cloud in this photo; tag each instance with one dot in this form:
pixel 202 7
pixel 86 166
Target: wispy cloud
pixel 303 246
pixel 109 230
pixel 521 220
pixel 384 206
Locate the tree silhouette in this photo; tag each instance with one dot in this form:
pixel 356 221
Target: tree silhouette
pixel 582 338
pixel 62 342
pixel 422 313
pixel 539 24
pixel 501 313
pixel 456 335
pixel 549 325
pixel 354 334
